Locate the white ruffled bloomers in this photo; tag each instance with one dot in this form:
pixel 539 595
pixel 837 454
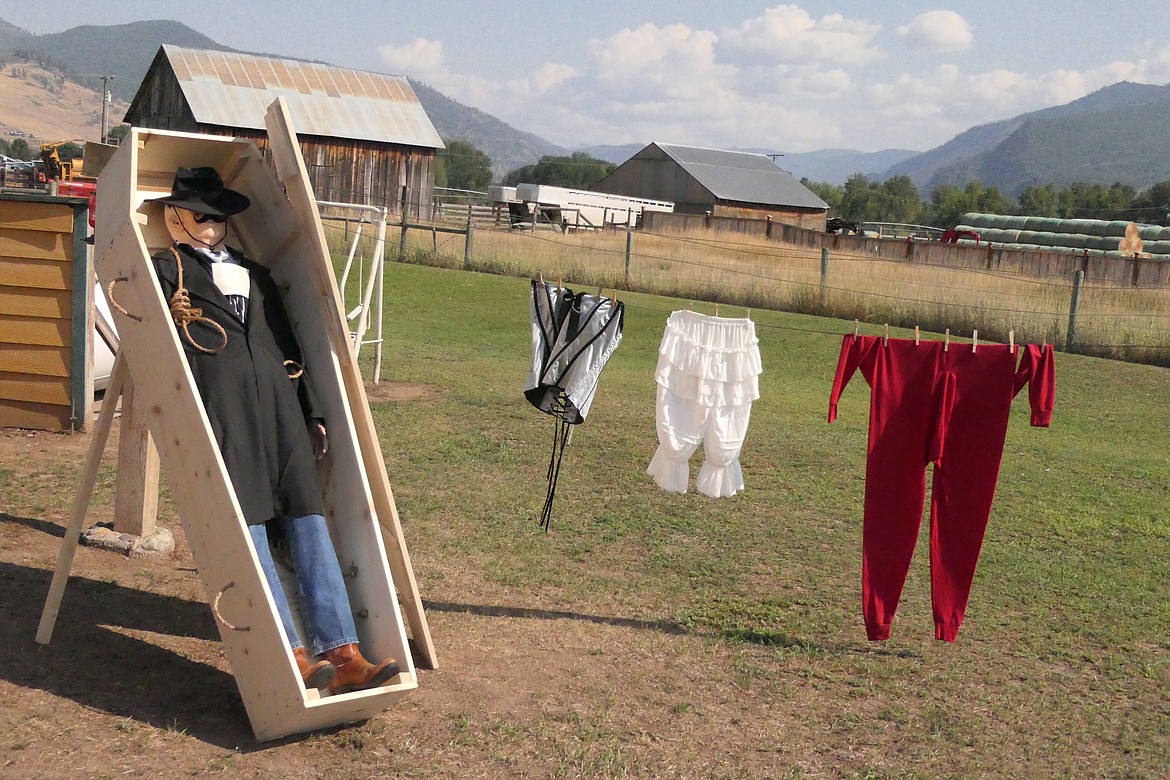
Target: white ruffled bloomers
pixel 708 376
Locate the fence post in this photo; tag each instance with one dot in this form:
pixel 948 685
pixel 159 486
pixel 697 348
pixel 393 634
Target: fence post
pixel 402 237
pixel 824 275
pixel 468 241
pixel 1078 280
pixel 629 254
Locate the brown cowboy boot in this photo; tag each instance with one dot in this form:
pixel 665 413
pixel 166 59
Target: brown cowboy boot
pixel 315 674
pixel 355 673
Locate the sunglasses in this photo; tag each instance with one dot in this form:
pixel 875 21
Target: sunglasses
pixel 216 218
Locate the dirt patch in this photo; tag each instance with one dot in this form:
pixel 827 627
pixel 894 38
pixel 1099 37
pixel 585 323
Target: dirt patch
pixel 402 391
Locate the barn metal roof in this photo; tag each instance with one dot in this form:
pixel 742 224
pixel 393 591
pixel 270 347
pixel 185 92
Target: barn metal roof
pixel 234 90
pixel 743 177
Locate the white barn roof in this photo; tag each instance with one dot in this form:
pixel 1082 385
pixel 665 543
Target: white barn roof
pixel 234 90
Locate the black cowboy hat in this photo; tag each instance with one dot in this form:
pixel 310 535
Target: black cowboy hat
pixel 201 190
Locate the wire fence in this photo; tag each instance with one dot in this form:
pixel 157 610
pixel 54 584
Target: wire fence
pixel 1116 321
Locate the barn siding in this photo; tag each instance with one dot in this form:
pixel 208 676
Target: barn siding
pixel 46 319
pixel 341 169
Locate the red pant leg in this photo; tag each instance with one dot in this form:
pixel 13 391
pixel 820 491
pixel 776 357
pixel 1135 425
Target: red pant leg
pixel 964 481
pixel 903 377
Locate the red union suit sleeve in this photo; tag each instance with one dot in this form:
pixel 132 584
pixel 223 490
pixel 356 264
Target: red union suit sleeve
pixel 852 352
pixel 1038 371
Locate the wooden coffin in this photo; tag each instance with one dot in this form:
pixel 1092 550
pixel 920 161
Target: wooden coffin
pixel 282 230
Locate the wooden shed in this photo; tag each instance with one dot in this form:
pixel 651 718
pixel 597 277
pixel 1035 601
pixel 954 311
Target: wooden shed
pixel 721 183
pixel 46 312
pixel 364 136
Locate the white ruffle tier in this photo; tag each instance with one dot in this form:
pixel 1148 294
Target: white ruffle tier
pixel 713 361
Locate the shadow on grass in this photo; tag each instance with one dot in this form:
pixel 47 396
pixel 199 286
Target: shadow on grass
pixel 763 637
pixel 487 610
pixel 43 526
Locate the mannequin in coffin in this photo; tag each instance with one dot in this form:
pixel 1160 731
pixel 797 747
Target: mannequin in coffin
pixel 259 400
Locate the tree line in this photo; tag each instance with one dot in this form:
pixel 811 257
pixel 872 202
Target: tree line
pixel 896 199
pixel 860 199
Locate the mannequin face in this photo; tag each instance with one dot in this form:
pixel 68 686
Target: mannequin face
pixel 184 229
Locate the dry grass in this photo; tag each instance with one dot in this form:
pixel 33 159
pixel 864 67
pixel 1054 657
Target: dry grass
pixel 1112 321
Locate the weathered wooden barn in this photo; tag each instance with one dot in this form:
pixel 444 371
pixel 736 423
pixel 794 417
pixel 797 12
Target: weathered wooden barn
pixel 364 136
pixel 722 183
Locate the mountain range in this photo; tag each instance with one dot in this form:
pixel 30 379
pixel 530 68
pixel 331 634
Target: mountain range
pixel 1116 134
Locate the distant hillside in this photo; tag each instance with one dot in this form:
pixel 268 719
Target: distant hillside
pixel 834 166
pixel 125 51
pixel 1114 134
pixel 508 147
pixel 612 154
pixel 45 106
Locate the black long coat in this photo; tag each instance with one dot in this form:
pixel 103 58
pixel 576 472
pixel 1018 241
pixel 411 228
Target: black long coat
pixel 259 416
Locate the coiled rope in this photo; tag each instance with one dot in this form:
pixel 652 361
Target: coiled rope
pixel 183 313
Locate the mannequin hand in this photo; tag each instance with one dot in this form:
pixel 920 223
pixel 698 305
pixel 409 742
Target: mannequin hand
pixel 319 438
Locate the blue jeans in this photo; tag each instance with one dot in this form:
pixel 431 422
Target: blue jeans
pixel 320 586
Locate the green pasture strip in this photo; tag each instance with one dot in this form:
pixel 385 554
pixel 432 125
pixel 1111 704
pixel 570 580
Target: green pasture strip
pixel 1068 625
pixel 1079 523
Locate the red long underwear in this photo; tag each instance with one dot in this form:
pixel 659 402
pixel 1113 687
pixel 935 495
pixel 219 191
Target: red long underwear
pixel 946 406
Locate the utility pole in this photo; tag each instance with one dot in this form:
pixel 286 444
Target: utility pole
pixel 105 105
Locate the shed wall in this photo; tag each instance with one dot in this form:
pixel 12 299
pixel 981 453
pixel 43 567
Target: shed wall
pixel 45 314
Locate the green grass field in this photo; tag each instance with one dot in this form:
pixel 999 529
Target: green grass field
pixel 1061 668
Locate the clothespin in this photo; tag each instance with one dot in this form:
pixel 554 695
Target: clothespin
pixel 886 338
pixel 717 310
pixel 1011 342
pixel 748 315
pixel 599 291
pixel 947 340
pixel 917 335
pixel 560 279
pixel 540 277
pixel 974 339
pixel 615 296
pixel 690 305
pixel 856 325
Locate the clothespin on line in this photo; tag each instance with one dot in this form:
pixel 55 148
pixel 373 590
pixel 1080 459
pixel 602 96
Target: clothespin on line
pixel 560 280
pixel 917 335
pixel 886 338
pixel 1011 342
pixel 974 339
pixel 748 314
pixel 716 309
pixel 947 340
pixel 856 325
pixel 615 296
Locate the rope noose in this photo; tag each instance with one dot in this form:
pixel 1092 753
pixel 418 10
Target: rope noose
pixel 183 313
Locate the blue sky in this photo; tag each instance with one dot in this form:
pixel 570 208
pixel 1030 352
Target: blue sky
pixel 791 77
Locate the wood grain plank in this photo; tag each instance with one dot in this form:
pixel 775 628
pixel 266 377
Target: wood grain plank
pixel 37 360
pixel 39 331
pixel 35 389
pixel 35 302
pixel 42 274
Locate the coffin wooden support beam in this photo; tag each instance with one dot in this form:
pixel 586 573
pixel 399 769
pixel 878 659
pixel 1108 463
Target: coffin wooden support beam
pixel 81 502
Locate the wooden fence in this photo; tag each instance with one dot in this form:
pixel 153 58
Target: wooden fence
pixel 1133 271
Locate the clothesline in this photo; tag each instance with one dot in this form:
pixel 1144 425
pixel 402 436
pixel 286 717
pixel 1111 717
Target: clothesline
pixel 839 334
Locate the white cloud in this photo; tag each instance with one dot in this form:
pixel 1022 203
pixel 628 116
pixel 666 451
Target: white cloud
pixel 938 31
pixel 787 33
pixel 419 58
pixel 674 61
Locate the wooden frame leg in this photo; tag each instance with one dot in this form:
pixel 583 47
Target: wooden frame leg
pixel 81 502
